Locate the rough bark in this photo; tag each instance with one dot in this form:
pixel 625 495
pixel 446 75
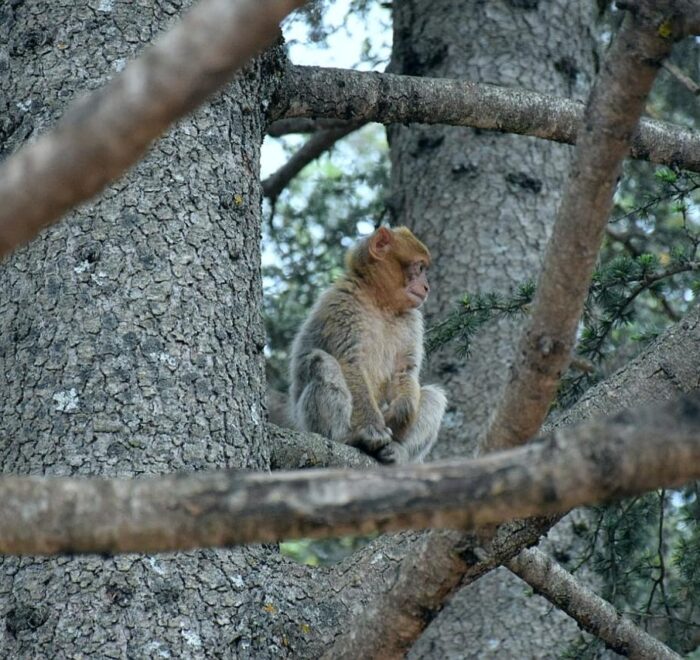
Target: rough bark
pixel 310 92
pixel 110 129
pixel 611 458
pixel 130 344
pixel 291 450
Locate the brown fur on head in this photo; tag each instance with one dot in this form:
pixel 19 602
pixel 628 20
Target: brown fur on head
pixel 390 264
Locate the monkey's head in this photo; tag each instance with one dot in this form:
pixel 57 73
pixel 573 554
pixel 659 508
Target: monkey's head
pixel 393 265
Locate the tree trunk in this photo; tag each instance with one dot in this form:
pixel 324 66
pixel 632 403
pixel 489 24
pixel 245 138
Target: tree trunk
pixel 131 343
pixel 485 203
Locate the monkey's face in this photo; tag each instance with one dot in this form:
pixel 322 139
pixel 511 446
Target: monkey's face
pixel 417 287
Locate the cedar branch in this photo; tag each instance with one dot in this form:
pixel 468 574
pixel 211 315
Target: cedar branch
pixel 623 455
pixel 590 611
pixel 365 96
pixel 610 120
pixel 312 149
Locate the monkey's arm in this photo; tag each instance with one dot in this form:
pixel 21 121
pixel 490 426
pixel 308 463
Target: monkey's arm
pixel 403 405
pixel 368 429
pixel 404 394
pixel 422 434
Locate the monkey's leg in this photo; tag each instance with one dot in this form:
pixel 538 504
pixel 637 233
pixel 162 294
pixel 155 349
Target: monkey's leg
pixel 422 434
pixel 325 404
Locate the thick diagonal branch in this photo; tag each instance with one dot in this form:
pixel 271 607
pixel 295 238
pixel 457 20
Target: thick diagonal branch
pixel 604 138
pixel 109 130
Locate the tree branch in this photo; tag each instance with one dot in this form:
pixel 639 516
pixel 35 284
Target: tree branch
pixel 590 611
pixel 610 119
pixel 312 149
pixel 626 241
pixel 314 92
pixel 682 78
pixel 109 130
pixel 291 450
pixel 613 458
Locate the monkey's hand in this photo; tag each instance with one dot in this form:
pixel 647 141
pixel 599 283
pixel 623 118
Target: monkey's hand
pixel 401 413
pixel 393 454
pixel 371 437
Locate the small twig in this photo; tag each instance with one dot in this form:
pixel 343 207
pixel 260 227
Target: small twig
pixel 644 284
pixel 659 553
pixel 682 78
pixel 652 278
pixel 590 550
pixel 660 579
pixel 312 149
pixel 676 194
pixel 626 240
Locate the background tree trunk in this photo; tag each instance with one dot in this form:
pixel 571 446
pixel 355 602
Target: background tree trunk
pixel 485 203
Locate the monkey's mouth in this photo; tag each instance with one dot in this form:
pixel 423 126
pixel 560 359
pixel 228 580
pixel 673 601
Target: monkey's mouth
pixel 416 298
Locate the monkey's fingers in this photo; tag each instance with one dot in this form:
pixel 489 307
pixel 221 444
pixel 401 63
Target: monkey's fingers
pixel 393 454
pixel 372 438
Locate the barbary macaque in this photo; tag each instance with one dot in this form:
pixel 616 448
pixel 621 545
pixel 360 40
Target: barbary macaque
pixel 357 357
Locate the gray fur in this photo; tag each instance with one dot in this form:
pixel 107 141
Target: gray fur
pixel 373 345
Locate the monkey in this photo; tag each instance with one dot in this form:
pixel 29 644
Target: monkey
pixel 356 360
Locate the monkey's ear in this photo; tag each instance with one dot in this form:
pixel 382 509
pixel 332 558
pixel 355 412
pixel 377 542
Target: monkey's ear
pixel 380 243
